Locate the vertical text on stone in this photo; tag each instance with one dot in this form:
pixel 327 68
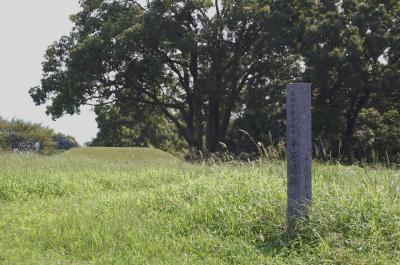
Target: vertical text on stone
pixel 299 149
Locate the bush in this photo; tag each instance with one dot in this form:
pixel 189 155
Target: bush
pixel 378 135
pixel 21 136
pixel 64 142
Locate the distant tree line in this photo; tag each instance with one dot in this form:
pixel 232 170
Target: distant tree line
pixel 20 136
pixel 207 71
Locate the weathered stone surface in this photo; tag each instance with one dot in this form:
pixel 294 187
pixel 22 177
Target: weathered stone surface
pixel 299 149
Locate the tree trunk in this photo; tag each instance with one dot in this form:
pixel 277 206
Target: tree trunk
pixel 351 118
pixel 213 126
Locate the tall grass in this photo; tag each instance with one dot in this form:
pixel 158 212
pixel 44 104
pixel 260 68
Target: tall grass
pixel 141 206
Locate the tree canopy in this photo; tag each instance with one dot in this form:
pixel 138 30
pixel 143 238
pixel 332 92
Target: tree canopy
pixel 351 54
pixel 192 59
pixel 213 66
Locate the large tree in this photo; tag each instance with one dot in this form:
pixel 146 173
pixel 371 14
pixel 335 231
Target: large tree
pixel 351 51
pixel 191 59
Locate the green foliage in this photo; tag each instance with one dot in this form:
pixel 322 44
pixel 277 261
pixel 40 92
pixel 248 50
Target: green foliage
pixel 349 52
pixel 378 135
pixel 140 125
pixel 142 206
pixel 18 135
pixel 214 67
pixel 192 59
pixel 263 116
pixel 25 136
pixel 351 56
pixel 64 142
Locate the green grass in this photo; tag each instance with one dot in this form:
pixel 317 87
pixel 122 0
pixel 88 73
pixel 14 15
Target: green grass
pixel 142 206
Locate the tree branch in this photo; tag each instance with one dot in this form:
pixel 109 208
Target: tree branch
pixel 217 8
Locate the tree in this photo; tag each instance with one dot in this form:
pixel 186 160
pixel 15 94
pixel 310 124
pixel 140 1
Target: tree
pixel 378 136
pixel 263 115
pixel 64 142
pixel 25 136
pixel 191 59
pixel 351 55
pixel 126 125
pixel 349 51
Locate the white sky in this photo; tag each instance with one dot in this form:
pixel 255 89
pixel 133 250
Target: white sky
pixel 27 27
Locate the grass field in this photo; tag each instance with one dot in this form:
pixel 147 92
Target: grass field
pixel 142 206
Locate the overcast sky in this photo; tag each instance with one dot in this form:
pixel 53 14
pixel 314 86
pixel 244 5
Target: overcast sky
pixel 27 27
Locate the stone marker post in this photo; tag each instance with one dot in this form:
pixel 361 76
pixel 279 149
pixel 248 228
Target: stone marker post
pixel 299 150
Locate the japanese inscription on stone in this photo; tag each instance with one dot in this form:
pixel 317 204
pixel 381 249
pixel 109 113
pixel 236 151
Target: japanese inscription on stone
pixel 299 149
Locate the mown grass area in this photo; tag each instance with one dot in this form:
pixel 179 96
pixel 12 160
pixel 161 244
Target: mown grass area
pixel 142 206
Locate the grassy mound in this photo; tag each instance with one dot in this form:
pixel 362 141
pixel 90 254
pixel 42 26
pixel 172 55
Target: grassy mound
pixel 128 154
pixel 142 206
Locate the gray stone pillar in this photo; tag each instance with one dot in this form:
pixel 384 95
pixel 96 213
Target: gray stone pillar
pixel 299 150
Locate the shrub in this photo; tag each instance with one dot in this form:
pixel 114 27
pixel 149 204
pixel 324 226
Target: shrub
pixel 378 135
pixel 21 136
pixel 64 142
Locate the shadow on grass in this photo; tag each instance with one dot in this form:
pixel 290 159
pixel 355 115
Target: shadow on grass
pixel 280 240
